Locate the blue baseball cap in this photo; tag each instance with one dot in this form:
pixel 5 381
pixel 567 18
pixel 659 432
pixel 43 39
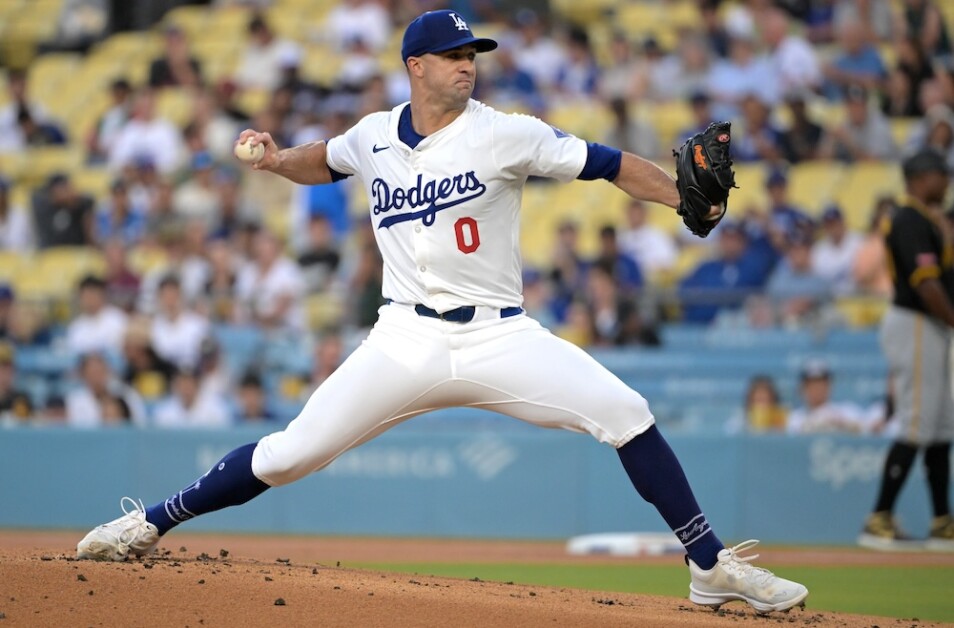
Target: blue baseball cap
pixel 437 31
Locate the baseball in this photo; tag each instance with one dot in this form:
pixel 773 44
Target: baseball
pixel 249 153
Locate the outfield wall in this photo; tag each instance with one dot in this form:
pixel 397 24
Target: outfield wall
pixel 481 481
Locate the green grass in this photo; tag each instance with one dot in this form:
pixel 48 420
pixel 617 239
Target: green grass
pixel 906 592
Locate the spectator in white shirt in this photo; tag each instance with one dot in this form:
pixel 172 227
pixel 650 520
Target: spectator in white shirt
pixel 535 52
pixel 744 72
pixel 366 19
pixel 833 255
pixel 177 333
pixel 11 134
pixel 100 325
pixel 793 59
pixel 272 286
pixel 101 398
pixel 197 198
pixel 652 248
pixel 819 414
pixel 264 57
pixel 16 230
pixel 146 137
pixel 192 405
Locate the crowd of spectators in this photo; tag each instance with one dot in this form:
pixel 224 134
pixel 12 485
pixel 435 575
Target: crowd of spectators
pixel 144 332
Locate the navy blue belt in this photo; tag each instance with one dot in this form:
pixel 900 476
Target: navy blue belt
pixel 463 314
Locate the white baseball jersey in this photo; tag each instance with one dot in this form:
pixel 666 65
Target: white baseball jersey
pixel 445 213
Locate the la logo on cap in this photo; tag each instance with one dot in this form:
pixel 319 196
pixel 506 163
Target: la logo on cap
pixel 459 22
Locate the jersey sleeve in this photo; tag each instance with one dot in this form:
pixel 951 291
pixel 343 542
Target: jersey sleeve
pixel 526 146
pixel 917 256
pixel 342 153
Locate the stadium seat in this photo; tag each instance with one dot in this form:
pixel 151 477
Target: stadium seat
pixel 863 184
pixel 43 161
pixel 190 19
pixel 812 184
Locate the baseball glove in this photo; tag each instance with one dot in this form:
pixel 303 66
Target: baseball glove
pixel 704 177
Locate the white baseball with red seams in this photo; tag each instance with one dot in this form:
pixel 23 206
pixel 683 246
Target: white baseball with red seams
pixel 446 218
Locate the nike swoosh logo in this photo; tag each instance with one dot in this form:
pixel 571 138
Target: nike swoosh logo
pixel 376 149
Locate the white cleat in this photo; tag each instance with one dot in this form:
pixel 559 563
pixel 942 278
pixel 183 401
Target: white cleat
pixel 733 578
pixel 116 539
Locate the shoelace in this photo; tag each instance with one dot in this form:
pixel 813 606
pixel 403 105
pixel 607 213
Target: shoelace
pixel 740 564
pixel 136 521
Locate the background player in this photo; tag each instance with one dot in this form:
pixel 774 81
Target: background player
pixel 916 338
pixel 444 176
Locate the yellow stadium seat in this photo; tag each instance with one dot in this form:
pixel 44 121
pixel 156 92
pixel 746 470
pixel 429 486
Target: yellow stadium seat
pixel 12 264
pixel 11 164
pixel 190 19
pixel 584 11
pixel 254 100
pixel 143 259
pixel 42 161
pixel 228 23
pixel 861 311
pixel 587 120
pixel 47 74
pixel 321 64
pixel 901 129
pixel 323 311
pixel 862 185
pixel 175 104
pixel 812 184
pixel 93 181
pixel 668 119
pixel 750 177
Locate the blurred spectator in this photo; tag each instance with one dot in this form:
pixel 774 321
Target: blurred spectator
pixel 99 325
pixel 177 332
pixel 91 403
pixel 53 412
pixel 870 267
pixel 234 208
pixel 818 413
pixel 358 66
pixel 184 246
pixel 701 105
pixel 720 283
pixel 833 255
pixel 687 70
pixel 903 91
pixel 328 356
pixel 875 15
pixel 796 290
pixel 567 267
pixel 329 200
pixel 364 19
pixel 801 139
pixel 146 137
pixel 122 282
pixel 23 322
pixel 101 137
pixel 744 72
pixel 857 62
pixel 757 139
pixel 786 220
pixel 924 21
pixel 578 76
pixel 535 51
pixel 537 298
pixel 145 370
pixel 7 300
pixel 11 134
pixel 793 59
pixel 653 249
pixel 61 215
pixel 117 218
pixel 190 405
pixel 176 67
pixel 16 407
pixel 623 269
pixel 16 230
pixel 79 24
pixel 218 294
pixel 272 286
pixel 615 317
pixel 214 128
pixel 512 86
pixel 321 258
pixel 898 100
pixel 260 66
pixel 864 135
pixel 935 130
pixel 631 134
pixel 214 373
pixel 251 400
pixel 364 290
pixel 762 411
pixel 197 198
pixel 714 30
pixel 623 79
pixel 39 132
pixel 162 222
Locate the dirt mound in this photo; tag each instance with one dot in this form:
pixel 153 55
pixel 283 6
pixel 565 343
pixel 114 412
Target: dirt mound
pixel 202 587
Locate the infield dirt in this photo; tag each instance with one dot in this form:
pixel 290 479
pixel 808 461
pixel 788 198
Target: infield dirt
pixel 205 580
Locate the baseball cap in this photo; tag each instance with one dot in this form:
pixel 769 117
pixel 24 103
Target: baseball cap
pixel 6 292
pixel 832 212
pixel 815 369
pixel 437 31
pixel 922 162
pixel 776 177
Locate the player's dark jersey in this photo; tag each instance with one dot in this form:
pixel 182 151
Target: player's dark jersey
pixel 919 247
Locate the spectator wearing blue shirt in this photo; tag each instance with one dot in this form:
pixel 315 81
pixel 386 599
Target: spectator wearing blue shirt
pixel 756 138
pixel 118 219
pixel 722 283
pixel 578 76
pixel 857 62
pixel 623 269
pixel 785 218
pixel 794 287
pixel 514 86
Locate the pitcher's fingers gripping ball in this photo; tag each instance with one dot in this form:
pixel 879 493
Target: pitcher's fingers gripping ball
pixel 257 149
pixel 704 177
pixel 249 152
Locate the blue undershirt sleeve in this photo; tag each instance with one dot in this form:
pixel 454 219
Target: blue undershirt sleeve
pixel 337 176
pixel 602 162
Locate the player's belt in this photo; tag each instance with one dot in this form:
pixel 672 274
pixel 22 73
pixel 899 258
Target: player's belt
pixel 463 314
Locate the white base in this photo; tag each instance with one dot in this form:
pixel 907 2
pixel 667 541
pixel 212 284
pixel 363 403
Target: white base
pixel 625 544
